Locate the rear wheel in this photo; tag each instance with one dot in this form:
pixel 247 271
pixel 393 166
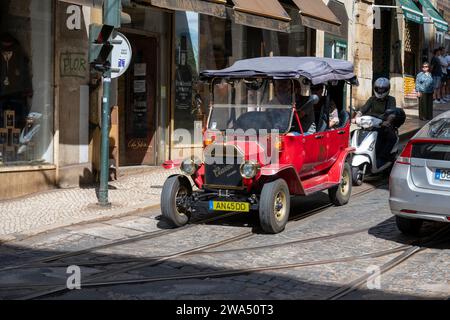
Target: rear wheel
pixel 340 195
pixel 274 206
pixel 409 226
pixel 173 194
pixel 357 176
pixel 387 171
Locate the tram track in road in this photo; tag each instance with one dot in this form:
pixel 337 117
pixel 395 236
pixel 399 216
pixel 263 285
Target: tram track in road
pixel 222 274
pixel 141 237
pixel 198 250
pixel 406 251
pixel 159 233
pixel 409 252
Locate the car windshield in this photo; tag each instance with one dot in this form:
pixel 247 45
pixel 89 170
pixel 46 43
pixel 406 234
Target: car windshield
pixel 440 128
pixel 252 104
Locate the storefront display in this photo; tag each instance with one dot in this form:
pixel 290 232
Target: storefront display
pixel 335 48
pixel 25 82
pixel 205 42
pixel 412 36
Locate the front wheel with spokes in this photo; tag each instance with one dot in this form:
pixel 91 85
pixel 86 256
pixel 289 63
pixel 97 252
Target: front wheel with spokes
pixel 173 196
pixel 274 206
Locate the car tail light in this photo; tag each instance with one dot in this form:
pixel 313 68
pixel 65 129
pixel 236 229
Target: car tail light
pixel 408 152
pixel 405 156
pixel 408 211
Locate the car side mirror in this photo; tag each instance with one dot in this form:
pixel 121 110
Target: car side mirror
pixel 315 99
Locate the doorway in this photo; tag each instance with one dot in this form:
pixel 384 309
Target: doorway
pixel 381 56
pixel 137 103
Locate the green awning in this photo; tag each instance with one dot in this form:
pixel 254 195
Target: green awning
pixel 439 22
pixel 411 12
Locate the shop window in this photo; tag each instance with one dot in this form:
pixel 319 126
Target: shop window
pixel 335 48
pixel 186 69
pixel 411 48
pixel 206 42
pixel 26 82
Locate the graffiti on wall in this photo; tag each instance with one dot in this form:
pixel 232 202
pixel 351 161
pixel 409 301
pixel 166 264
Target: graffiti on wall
pixel 73 64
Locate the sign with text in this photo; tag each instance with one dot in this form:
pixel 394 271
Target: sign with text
pixel 120 56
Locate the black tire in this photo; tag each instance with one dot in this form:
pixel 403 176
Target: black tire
pixel 340 195
pixel 273 220
pixel 409 226
pixel 357 176
pixel 174 187
pixel 387 172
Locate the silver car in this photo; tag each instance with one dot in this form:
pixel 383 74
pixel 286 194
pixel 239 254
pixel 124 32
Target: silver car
pixel 420 179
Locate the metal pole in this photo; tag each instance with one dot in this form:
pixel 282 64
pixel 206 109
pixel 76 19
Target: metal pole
pixel 111 12
pixel 351 101
pixel 104 155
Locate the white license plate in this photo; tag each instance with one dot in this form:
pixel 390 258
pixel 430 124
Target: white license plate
pixel 442 175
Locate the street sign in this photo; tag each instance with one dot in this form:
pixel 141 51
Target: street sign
pixel 120 56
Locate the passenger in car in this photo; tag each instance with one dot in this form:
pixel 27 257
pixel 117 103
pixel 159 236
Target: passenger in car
pixel 333 117
pixel 305 111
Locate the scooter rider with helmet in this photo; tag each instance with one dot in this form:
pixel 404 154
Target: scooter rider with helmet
pixel 376 106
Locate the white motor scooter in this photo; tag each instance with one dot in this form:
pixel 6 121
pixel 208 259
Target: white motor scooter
pixel 364 139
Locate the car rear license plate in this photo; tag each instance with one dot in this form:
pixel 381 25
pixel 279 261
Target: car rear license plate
pixel 442 175
pixel 229 206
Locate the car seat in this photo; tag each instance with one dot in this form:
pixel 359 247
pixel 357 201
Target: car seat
pixel 253 120
pixel 344 117
pixel 321 125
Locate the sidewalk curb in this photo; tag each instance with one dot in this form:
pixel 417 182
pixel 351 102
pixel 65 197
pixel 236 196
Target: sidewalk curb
pixel 112 214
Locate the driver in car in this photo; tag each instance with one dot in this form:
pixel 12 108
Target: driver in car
pixel 333 117
pixel 283 92
pixel 376 106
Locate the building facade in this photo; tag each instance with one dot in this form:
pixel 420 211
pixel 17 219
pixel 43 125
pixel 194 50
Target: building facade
pixel 391 39
pixel 51 101
pixel 444 9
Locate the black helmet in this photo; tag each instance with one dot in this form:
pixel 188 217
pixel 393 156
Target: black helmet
pixel 382 87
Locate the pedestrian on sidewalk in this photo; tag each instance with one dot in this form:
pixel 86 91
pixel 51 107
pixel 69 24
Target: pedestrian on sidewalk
pixel 425 88
pixel 444 65
pixel 447 58
pixel 436 71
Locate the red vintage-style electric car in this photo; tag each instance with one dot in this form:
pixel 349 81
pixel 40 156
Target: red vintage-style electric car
pixel 277 128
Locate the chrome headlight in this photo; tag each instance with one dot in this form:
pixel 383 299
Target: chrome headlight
pixel 249 169
pixel 189 166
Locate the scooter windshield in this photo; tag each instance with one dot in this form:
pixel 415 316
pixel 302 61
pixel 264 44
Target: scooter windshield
pixel 256 104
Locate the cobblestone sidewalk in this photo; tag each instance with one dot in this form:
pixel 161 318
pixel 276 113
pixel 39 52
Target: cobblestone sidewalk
pixel 48 210
pixel 413 120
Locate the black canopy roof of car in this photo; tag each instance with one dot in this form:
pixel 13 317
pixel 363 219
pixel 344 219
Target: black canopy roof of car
pixel 316 70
